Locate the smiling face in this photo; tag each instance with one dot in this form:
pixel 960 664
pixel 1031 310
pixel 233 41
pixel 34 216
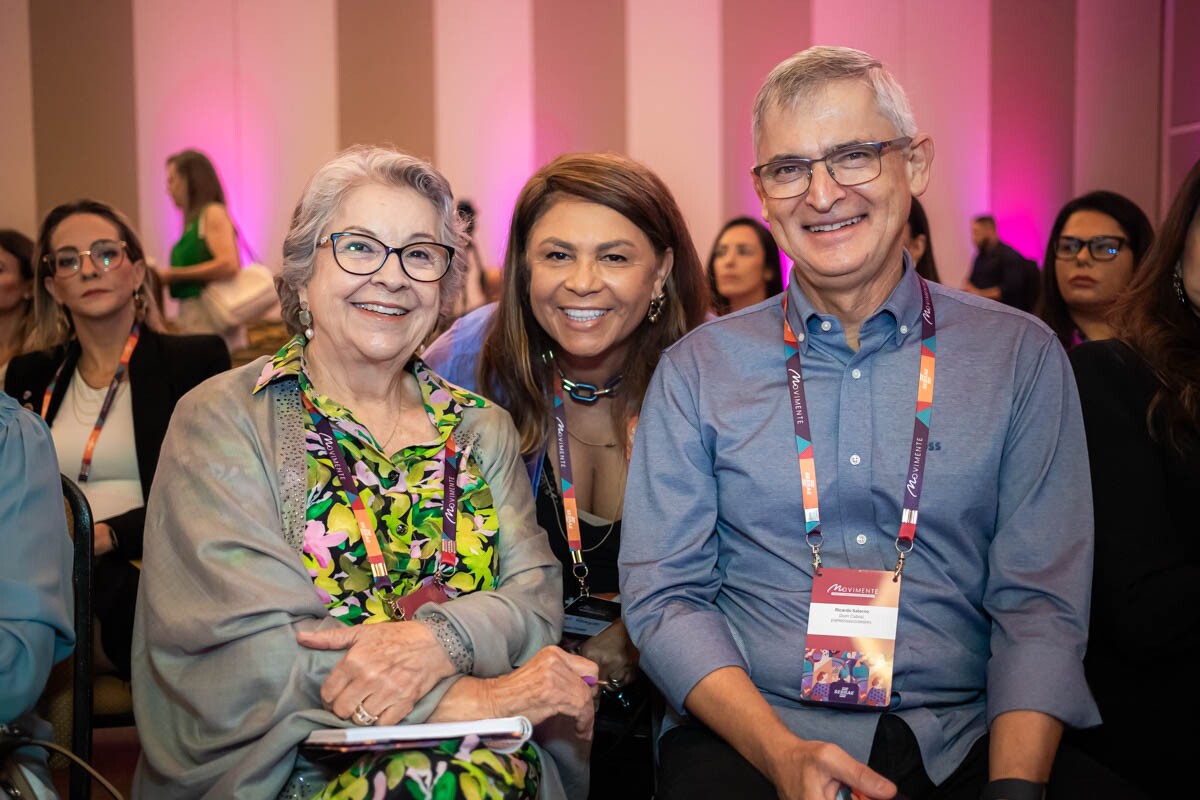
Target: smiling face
pixel 375 320
pixel 87 292
pixel 1084 282
pixel 841 237
pixel 592 275
pixel 738 266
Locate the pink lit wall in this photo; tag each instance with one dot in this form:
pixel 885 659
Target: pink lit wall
pixel 1181 116
pixel 674 114
pixel 18 204
pixel 483 66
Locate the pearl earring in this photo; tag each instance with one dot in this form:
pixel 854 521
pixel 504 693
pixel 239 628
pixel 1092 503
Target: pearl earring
pixel 306 320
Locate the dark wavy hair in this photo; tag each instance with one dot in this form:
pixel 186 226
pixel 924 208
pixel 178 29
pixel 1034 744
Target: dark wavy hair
pixel 918 225
pixel 1134 224
pixel 1164 331
pixel 770 261
pixel 203 185
pixel 21 246
pixel 511 366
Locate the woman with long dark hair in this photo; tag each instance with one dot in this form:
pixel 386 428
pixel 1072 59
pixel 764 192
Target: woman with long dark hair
pixel 16 294
pixel 1140 393
pixel 743 268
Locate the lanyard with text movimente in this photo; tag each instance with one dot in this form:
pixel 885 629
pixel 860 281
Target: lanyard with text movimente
pixel 89 450
pixel 366 528
pixel 567 488
pixel 920 441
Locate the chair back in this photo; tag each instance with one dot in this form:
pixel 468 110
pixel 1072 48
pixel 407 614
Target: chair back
pixel 79 519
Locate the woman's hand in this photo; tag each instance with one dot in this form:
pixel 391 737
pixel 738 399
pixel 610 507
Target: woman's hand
pixel 102 539
pixel 388 668
pixel 614 653
pixel 548 685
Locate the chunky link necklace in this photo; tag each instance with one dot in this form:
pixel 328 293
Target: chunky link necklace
pixel 585 392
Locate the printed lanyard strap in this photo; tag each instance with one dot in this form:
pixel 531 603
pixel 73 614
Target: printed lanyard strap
pixel 567 488
pixel 920 440
pixel 366 529
pixel 89 449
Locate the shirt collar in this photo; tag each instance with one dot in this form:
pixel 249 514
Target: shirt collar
pixel 903 306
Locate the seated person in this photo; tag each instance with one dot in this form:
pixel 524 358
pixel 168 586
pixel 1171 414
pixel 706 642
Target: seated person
pixel 339 536
pixel 105 376
pixel 36 611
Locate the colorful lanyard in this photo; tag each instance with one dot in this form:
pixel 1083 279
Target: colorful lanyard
pixel 920 441
pixel 567 485
pixel 366 529
pixel 89 450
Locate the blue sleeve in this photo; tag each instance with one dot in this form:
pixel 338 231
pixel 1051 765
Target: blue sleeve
pixel 1039 581
pixel 455 354
pixel 36 629
pixel 669 545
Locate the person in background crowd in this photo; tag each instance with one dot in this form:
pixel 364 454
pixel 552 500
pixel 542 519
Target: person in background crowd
pixel 16 294
pixel 728 551
pixel 356 535
pixel 1097 243
pixel 36 605
pixel 1141 407
pixel 600 275
pixel 743 268
pixel 475 282
pixel 918 241
pixel 999 272
pixel 207 250
pixel 101 372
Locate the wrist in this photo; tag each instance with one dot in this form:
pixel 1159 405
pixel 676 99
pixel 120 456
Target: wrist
pixel 1013 789
pixel 460 656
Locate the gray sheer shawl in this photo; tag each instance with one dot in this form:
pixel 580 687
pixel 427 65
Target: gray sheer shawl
pixel 222 692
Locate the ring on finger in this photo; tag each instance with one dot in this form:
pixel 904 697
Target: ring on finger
pixel 363 717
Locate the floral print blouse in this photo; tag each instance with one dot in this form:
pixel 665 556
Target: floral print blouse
pixel 402 492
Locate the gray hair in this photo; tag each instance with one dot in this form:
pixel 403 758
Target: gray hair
pixel 800 76
pixel 327 189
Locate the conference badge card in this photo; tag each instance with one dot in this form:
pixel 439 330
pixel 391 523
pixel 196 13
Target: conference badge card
pixel 851 642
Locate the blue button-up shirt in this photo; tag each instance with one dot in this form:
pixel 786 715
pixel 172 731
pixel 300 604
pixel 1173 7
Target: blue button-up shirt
pixel 994 605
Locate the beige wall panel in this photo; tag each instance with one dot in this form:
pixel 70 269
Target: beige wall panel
pixel 18 201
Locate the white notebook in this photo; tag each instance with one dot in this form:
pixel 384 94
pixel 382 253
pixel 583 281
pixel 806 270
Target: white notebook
pixel 504 735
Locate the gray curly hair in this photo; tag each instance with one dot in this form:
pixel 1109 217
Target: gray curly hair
pixel 327 188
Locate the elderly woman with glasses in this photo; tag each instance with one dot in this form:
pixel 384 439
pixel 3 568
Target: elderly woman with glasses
pixel 344 538
pixel 1097 242
pixel 103 374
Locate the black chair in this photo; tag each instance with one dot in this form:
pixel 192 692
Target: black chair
pixel 80 520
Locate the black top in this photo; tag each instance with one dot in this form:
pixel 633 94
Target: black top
pixel 601 562
pixel 1145 626
pixel 1019 279
pixel 162 369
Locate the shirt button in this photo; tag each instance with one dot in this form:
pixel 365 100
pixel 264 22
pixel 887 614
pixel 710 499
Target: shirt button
pixel 856 373
pixel 826 325
pixel 861 538
pixel 903 329
pixel 855 460
pixel 800 337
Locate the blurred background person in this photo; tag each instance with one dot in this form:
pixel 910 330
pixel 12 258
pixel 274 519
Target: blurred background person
pixel 207 249
pixel 600 276
pixel 398 574
pixel 105 377
pixel 743 268
pixel 918 241
pixel 999 272
pixel 1140 394
pixel 16 294
pixel 475 282
pixel 36 605
pixel 1097 242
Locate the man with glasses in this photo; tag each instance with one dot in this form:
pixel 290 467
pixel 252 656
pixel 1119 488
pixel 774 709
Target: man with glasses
pixel 806 475
pixel 999 272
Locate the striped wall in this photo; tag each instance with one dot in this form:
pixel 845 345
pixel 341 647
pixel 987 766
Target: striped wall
pixel 1028 101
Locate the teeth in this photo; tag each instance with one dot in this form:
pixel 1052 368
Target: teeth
pixel 394 312
pixel 581 315
pixel 834 226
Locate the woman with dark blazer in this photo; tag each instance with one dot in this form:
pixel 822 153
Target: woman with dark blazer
pixel 105 377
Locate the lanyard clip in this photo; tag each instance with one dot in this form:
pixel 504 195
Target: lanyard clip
pixel 580 571
pixel 814 539
pixel 904 546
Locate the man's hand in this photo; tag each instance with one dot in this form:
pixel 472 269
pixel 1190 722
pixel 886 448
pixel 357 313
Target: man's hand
pixel 102 539
pixel 614 653
pixel 806 770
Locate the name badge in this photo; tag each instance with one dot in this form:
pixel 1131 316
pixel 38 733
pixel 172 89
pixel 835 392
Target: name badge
pixel 587 616
pixel 851 641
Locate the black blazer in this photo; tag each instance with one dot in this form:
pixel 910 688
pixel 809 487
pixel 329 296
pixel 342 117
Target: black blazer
pixel 163 369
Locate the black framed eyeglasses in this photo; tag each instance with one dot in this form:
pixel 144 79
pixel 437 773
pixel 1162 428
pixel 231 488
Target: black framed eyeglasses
pixel 106 254
pixel 1102 248
pixel 360 254
pixel 851 165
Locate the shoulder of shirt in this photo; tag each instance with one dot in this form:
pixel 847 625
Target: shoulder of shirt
pixel 465 397
pixel 994 312
pixel 231 388
pixel 719 326
pixel 13 415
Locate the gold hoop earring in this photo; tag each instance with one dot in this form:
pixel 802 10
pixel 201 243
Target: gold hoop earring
pixel 656 307
pixel 306 320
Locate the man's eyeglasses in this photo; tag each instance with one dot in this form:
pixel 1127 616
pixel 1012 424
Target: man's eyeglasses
pixel 360 254
pixel 850 166
pixel 1102 248
pixel 106 254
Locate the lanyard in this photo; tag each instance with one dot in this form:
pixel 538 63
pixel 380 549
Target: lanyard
pixel 366 529
pixel 89 449
pixel 920 440
pixel 567 487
